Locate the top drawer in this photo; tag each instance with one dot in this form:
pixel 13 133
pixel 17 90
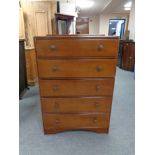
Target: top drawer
pixel 77 47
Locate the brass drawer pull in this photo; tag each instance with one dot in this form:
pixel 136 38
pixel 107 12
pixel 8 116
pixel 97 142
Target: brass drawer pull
pixel 99 68
pixel 55 68
pixel 55 88
pixel 98 87
pixel 100 47
pixel 97 104
pixel 52 47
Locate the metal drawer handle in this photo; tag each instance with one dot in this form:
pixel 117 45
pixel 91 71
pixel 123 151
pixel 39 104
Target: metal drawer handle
pixel 100 47
pixel 97 104
pixel 52 47
pixel 98 87
pixel 99 68
pixel 55 68
pixel 55 88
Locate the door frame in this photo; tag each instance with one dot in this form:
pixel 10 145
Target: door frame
pixel 125 21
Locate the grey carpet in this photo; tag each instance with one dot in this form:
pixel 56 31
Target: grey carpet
pixel 119 141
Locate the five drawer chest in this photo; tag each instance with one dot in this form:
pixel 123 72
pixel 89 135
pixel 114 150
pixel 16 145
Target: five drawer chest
pixel 76 81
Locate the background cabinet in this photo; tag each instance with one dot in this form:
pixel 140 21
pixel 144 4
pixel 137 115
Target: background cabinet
pixel 64 24
pixel 22 69
pixel 31 66
pixel 126 56
pixel 82 25
pixel 21 24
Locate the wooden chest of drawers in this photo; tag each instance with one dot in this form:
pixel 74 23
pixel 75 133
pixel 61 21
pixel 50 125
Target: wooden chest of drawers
pixel 76 81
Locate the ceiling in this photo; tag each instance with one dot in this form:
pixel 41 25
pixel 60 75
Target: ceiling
pixel 104 6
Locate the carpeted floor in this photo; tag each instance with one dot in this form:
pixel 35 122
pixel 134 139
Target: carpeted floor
pixel 119 141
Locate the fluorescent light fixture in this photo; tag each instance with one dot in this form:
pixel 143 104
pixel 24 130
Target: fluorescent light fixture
pixel 113 28
pixel 127 9
pixel 128 5
pixel 83 4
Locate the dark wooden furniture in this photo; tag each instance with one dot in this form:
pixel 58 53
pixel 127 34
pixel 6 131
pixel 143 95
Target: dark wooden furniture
pixel 62 23
pixel 119 59
pixel 126 55
pixel 76 80
pixel 22 69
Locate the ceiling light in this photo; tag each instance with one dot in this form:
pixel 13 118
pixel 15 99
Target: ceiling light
pixel 127 9
pixel 128 5
pixel 84 3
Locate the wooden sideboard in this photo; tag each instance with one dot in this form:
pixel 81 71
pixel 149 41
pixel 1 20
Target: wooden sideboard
pixel 76 81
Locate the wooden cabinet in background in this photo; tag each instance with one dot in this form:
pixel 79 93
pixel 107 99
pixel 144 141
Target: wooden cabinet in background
pixel 41 22
pixel 63 24
pixel 22 69
pixel 21 24
pixel 82 25
pixel 31 66
pixel 126 56
pixel 37 18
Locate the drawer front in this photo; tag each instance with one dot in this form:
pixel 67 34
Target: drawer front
pixel 75 121
pixel 76 105
pixel 77 68
pixel 77 47
pixel 77 87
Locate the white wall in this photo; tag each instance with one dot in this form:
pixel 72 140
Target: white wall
pixel 67 8
pixel 104 21
pixel 94 25
pixel 131 26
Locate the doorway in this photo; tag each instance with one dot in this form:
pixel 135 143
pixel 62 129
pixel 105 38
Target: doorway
pixel 116 27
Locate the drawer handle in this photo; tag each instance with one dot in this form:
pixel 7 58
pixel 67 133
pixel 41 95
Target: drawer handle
pixel 97 104
pixel 98 87
pixel 55 88
pixel 56 105
pixel 57 121
pixel 94 120
pixel 55 68
pixel 52 47
pixel 99 68
pixel 100 47
pixel 130 58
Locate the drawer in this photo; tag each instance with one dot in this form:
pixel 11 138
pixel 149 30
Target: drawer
pixel 75 121
pixel 84 87
pixel 77 47
pixel 76 105
pixel 77 68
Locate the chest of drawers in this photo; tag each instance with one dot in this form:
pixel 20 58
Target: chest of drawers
pixel 76 81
